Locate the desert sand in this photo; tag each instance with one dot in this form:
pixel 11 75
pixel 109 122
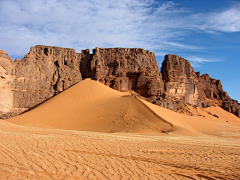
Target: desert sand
pixel 91 131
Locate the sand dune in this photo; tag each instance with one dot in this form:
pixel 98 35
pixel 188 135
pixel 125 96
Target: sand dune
pixel 68 139
pixel 92 106
pixel 204 122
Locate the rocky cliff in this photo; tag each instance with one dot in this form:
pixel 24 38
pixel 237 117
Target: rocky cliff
pixel 6 81
pixel 187 86
pixel 46 71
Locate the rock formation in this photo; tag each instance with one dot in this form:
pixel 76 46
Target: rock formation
pixel 46 71
pixel 182 83
pixel 123 69
pixel 6 80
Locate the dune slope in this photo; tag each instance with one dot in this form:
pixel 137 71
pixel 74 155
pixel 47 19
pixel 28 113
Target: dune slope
pixel 208 121
pixel 92 106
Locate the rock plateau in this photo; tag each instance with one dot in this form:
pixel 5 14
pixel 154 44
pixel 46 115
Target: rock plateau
pixel 46 71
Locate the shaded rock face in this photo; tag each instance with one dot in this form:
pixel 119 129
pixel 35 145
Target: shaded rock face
pixel 46 71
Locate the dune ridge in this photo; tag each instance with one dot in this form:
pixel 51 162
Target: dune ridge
pixel 138 99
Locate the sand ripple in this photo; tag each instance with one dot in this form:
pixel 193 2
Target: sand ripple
pixel 34 153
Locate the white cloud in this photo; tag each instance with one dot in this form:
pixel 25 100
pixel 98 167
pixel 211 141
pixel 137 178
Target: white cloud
pixel 227 20
pixel 196 61
pixel 87 24
pixel 84 24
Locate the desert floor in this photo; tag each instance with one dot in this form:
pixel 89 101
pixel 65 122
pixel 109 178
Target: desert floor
pixel 35 153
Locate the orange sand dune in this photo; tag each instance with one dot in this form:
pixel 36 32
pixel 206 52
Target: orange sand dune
pixel 203 122
pixel 92 106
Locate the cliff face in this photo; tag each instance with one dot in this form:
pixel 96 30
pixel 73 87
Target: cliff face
pixel 46 71
pixel 123 69
pixel 6 80
pixel 186 86
pixel 179 78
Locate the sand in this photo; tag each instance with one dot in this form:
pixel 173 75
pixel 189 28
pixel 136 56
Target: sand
pixel 92 106
pixel 91 131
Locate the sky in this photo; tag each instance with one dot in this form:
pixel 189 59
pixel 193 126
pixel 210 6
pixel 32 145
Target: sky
pixel 205 32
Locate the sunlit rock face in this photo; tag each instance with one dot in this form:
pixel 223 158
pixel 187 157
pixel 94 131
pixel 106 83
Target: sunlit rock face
pixel 182 83
pixel 6 81
pixel 124 69
pixel 179 79
pixel 46 71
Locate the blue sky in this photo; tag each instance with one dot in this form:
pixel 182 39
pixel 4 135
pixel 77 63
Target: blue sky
pixel 205 32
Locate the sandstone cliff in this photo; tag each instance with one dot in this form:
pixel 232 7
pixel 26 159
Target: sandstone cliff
pixel 6 80
pixel 123 69
pixel 46 71
pixel 182 83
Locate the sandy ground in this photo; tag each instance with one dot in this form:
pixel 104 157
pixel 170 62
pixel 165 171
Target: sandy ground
pixel 34 153
pixel 93 132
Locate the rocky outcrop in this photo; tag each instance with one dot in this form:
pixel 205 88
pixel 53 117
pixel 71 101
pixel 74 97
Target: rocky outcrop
pixel 182 83
pixel 179 77
pixel 6 80
pixel 46 71
pixel 124 69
